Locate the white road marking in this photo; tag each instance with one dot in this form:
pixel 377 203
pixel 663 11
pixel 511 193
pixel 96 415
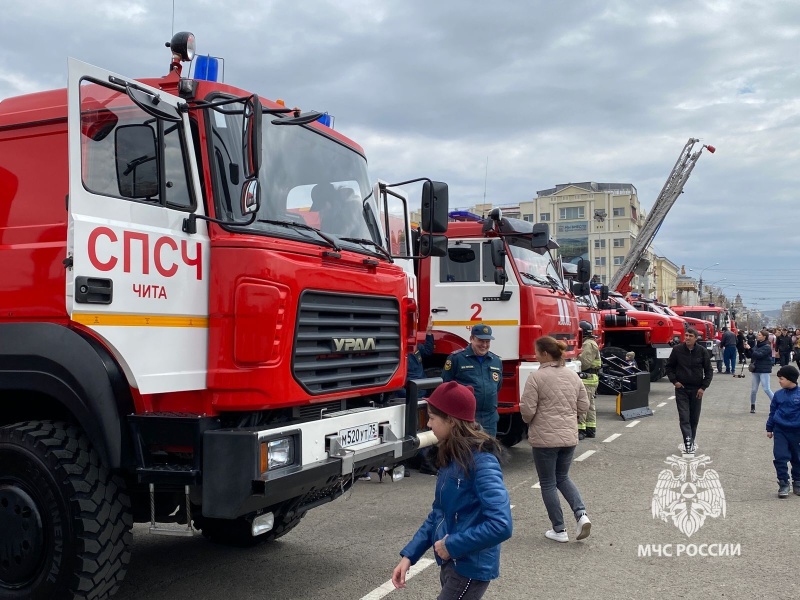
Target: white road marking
pixel 536 486
pixel 670 398
pixel 661 404
pixel 584 456
pixel 612 437
pixel 633 424
pixel 512 506
pixel 388 587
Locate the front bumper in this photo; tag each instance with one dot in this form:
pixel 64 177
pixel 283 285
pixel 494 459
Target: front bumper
pixel 234 485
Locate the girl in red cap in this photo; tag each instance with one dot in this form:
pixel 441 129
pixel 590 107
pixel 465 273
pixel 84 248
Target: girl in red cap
pixel 471 513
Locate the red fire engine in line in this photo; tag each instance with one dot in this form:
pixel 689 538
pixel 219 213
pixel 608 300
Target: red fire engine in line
pixel 186 336
pixel 718 316
pixel 499 271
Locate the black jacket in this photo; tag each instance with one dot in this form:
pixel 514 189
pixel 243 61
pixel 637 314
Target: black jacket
pixel 762 357
pixel 783 343
pixel 691 368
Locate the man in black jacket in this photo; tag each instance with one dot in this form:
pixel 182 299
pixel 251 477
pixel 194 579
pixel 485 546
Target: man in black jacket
pixel 783 344
pixel 689 370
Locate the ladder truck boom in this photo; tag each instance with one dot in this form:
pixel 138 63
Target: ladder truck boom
pixel 669 194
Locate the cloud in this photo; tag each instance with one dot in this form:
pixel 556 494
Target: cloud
pixel 545 92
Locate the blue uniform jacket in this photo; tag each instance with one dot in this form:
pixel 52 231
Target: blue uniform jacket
pixel 784 410
pixel 485 378
pixel 475 514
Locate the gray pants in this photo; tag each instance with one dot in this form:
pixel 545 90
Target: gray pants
pixel 552 466
pixel 458 587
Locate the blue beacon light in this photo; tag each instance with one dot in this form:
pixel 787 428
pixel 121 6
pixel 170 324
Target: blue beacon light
pixel 206 68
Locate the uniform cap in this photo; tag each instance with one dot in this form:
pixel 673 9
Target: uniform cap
pixel 789 372
pixel 482 332
pixel 455 400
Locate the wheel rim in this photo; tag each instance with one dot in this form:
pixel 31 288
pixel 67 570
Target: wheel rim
pixel 21 521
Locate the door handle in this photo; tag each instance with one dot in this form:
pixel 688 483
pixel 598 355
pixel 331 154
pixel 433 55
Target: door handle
pixel 438 310
pixel 93 290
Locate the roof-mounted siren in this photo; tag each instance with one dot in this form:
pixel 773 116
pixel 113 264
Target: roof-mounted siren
pixel 207 68
pixel 182 46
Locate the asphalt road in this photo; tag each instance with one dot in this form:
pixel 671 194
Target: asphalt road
pixel 347 549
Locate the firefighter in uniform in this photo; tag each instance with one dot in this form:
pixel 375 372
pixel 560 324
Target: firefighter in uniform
pixel 590 375
pixel 480 369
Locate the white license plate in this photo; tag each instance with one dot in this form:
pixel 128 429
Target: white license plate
pixel 353 436
pixel 663 352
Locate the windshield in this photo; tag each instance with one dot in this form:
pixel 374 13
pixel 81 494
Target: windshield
pixel 307 180
pixel 622 303
pixel 534 268
pixel 710 316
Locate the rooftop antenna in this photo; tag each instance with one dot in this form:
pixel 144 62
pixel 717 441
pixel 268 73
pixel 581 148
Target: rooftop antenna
pixel 173 19
pixel 485 179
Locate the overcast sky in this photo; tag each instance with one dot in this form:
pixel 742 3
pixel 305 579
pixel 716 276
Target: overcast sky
pixel 549 92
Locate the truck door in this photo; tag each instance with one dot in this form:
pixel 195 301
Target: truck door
pixel 135 278
pixel 463 293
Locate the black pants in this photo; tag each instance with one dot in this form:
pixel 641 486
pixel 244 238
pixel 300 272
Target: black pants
pixel 688 411
pixel 786 355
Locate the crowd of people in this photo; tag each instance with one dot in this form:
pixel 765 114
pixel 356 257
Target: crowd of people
pixel 471 514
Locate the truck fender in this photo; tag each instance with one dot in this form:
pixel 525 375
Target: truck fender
pixel 72 370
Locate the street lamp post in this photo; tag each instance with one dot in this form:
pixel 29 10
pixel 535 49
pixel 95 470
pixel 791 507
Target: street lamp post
pixel 701 279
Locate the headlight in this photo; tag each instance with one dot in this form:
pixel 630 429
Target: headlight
pixel 276 453
pixel 676 339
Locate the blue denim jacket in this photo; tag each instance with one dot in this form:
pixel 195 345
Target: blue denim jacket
pixel 474 512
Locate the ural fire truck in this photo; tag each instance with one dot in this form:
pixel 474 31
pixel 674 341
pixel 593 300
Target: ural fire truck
pixel 188 334
pixel 499 271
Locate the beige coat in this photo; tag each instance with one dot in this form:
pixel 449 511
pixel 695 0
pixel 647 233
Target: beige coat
pixel 553 399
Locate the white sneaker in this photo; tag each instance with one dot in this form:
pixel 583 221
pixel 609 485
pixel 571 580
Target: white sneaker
pixel 556 536
pixel 584 528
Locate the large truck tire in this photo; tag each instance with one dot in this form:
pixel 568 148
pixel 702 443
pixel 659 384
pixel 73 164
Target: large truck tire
pixel 65 518
pixel 237 532
pixel 517 431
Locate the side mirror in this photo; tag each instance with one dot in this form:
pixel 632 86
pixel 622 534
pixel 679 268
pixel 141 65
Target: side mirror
pixel 540 236
pixel 581 289
pixel 584 270
pixel 137 167
pixel 604 292
pixel 434 206
pixel 251 137
pixel 500 276
pixel 251 197
pixel 432 245
pixel 498 250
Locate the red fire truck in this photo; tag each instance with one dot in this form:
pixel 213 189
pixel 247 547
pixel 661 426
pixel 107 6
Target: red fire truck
pixel 718 316
pixel 499 271
pixel 189 331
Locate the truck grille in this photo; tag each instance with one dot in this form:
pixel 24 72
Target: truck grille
pixel 346 342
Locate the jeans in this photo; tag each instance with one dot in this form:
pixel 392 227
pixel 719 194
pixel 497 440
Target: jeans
pixel 552 466
pixel 458 587
pixel 761 379
pixel 785 449
pixel 729 356
pixel 689 406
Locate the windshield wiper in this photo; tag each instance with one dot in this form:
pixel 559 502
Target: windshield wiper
pixel 555 282
pixel 364 242
pixel 292 225
pixel 536 278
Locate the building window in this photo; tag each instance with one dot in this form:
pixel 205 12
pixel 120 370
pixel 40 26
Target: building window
pixel 528 218
pixel 599 261
pixel 602 279
pixel 570 212
pixel 619 242
pixel 543 217
pixel 598 244
pixel 619 212
pixel 618 260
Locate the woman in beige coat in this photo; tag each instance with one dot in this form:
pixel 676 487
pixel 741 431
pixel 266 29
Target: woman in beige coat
pixel 553 399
